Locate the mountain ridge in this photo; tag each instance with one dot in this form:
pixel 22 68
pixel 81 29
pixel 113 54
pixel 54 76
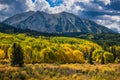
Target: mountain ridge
pixel 55 23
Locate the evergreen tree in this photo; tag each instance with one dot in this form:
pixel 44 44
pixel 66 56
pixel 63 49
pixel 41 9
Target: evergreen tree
pixel 90 56
pixel 102 59
pixel 17 58
pixel 114 52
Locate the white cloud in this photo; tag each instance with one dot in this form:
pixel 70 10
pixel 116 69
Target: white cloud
pixel 3 6
pixel 30 5
pixel 68 6
pixel 41 5
pixel 18 6
pixel 9 8
pixel 112 22
pixel 106 2
pixel 112 18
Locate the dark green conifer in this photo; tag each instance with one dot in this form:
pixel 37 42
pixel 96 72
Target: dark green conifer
pixel 17 58
pixel 102 59
pixel 90 56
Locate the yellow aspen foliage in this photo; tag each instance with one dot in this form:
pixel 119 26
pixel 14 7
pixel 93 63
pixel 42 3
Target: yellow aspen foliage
pixel 78 56
pixel 69 45
pixel 2 54
pixel 47 55
pixel 28 54
pixel 97 55
pixel 9 52
pixel 60 55
pixel 69 54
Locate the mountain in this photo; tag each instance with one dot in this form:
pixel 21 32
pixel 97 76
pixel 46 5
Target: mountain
pixel 55 23
pixel 4 28
pixel 18 18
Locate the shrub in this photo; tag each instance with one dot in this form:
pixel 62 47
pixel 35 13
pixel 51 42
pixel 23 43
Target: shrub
pixel 108 57
pixel 97 55
pixel 47 55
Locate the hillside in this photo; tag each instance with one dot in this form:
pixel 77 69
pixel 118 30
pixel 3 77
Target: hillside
pixel 5 28
pixel 58 57
pixel 55 23
pixel 102 39
pixel 106 39
pixel 47 49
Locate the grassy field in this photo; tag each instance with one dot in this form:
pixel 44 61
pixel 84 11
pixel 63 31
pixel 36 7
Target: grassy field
pixel 60 72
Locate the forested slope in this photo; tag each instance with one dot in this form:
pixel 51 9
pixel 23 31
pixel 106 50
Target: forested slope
pixel 57 50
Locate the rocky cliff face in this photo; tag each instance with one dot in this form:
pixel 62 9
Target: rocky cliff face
pixel 55 23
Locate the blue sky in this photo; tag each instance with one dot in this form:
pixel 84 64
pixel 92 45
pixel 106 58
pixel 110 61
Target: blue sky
pixel 104 12
pixel 54 3
pixel 33 0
